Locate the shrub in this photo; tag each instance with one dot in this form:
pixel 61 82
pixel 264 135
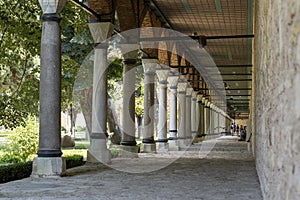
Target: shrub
pixel 15 171
pixel 80 129
pixel 24 143
pixel 18 171
pixel 74 161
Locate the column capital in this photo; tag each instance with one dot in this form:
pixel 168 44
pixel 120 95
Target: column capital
pixel 182 86
pixel 101 31
pixel 194 96
pixel 189 90
pixel 173 79
pixel 52 6
pixel 129 51
pixel 149 66
pixel 199 98
pixel 162 74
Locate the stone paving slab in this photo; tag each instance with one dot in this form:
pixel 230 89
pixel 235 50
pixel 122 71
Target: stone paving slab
pixel 217 174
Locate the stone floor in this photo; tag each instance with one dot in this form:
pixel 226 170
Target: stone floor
pixel 216 169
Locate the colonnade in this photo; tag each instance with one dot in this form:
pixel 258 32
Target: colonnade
pixel 194 114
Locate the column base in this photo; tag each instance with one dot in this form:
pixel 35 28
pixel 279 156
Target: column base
pixel 48 167
pixel 98 152
pixel 194 134
pixel 249 145
pixel 198 139
pixel 128 151
pixel 188 141
pixel 173 146
pixel 162 147
pixel 181 143
pixel 148 148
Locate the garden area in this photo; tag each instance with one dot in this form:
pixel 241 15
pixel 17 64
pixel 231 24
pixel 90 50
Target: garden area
pixel 18 148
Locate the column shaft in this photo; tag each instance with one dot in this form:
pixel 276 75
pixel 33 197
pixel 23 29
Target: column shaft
pixel 202 118
pixel 99 106
pixel 182 108
pixel 194 116
pixel 173 113
pixel 128 112
pixel 162 118
pixel 148 136
pixel 188 117
pixel 207 119
pixel 50 86
pixel 148 143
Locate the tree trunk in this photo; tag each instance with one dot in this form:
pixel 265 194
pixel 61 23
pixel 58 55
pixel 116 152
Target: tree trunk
pixel 85 100
pixel 112 118
pixel 113 122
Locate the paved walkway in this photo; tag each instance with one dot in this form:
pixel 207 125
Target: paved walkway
pixel 214 169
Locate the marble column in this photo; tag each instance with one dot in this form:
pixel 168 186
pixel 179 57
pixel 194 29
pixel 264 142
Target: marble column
pixel 207 117
pixel 199 115
pixel 49 161
pixel 188 119
pixel 162 140
pixel 220 127
pixel 218 121
pixel 212 118
pixel 98 151
pixel 182 85
pixel 194 115
pixel 214 108
pixel 128 148
pixel 202 117
pixel 173 82
pixel 148 143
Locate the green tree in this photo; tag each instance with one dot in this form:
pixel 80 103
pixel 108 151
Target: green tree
pixel 19 46
pixel 20 36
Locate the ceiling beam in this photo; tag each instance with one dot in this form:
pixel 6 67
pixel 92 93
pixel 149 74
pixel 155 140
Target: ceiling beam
pixel 158 13
pixel 229 37
pixel 222 88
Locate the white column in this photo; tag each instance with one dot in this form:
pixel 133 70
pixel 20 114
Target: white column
pixel 202 117
pixel 194 115
pixel 188 119
pixel 148 143
pixel 128 144
pixel 173 81
pixel 206 117
pixel 220 130
pixel 212 118
pixel 215 119
pixel 182 85
pixel 162 140
pixel 98 151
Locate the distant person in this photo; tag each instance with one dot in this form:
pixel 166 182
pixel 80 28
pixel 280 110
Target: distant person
pixel 234 128
pixel 243 134
pixel 231 129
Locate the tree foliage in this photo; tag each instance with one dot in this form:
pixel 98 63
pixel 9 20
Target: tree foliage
pixel 19 46
pixel 20 37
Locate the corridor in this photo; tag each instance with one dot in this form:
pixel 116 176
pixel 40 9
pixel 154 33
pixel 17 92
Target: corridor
pixel 225 172
pixel 189 69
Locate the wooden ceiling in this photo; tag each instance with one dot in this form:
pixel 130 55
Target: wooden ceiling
pixel 227 26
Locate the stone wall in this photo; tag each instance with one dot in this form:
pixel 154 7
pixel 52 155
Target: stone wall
pixel 277 97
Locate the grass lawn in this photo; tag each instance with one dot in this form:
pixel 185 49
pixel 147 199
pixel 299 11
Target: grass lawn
pixel 69 152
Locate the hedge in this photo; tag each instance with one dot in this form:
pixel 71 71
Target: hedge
pixel 18 171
